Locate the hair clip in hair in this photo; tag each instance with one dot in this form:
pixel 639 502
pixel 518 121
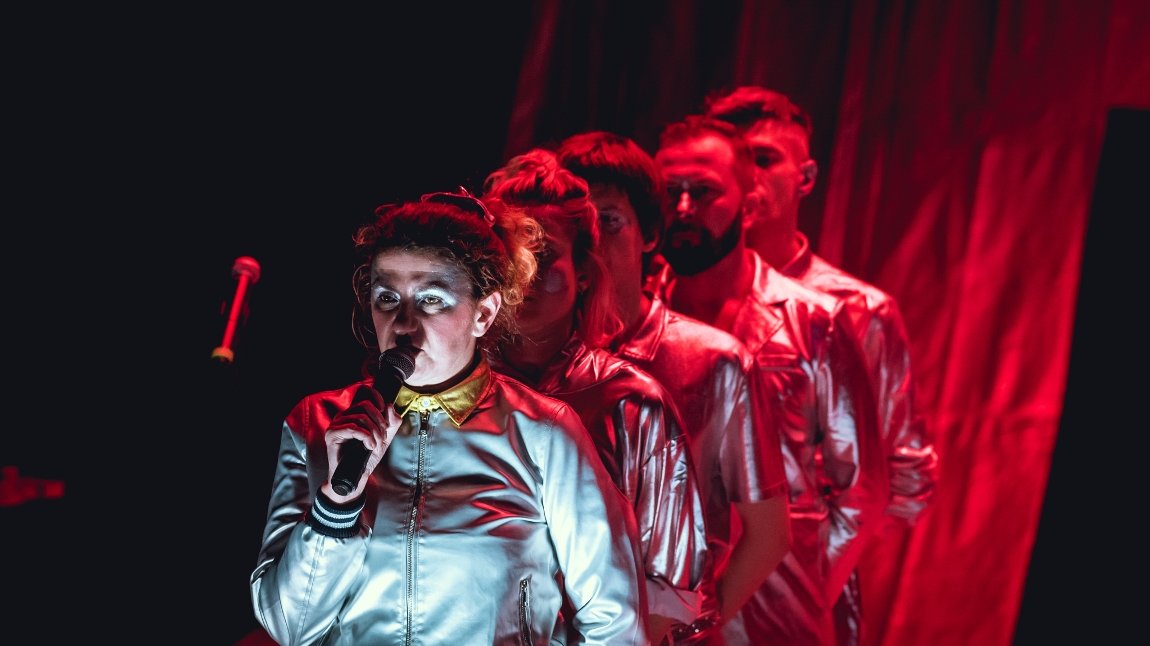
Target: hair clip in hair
pixel 464 200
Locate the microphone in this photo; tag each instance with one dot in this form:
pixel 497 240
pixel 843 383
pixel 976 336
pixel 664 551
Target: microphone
pixel 395 366
pixel 247 271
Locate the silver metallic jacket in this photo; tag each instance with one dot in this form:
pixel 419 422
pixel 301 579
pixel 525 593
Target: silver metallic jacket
pixel 487 493
pixel 635 426
pixel 804 345
pixel 911 457
pixel 717 389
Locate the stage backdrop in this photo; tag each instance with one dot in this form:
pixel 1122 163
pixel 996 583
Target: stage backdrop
pixel 958 144
pixel 958 141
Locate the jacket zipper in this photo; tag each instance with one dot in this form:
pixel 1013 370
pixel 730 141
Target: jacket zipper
pixel 413 519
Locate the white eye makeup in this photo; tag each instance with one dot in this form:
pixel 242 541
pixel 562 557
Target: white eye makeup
pixel 384 299
pixel 431 298
pixel 436 299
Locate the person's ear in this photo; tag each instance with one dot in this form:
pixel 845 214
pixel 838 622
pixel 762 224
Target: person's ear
pixel 485 312
pixel 752 202
pixel 809 170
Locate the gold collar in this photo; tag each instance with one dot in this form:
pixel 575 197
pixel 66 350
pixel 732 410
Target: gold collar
pixel 457 401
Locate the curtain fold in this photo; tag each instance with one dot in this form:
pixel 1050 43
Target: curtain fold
pixel 964 167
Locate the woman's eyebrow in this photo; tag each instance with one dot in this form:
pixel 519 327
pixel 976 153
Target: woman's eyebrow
pixel 439 286
pixel 445 282
pixel 422 277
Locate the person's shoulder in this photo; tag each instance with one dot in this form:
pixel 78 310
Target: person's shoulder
pixel 523 395
pixel 314 409
pixel 617 374
pixel 340 395
pixel 610 366
pixel 685 333
pixel 782 287
pixel 523 399
pixel 839 282
pixel 509 384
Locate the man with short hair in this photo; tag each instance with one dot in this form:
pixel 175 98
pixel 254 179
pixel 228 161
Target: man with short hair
pixel 779 134
pixel 712 378
pixel 804 345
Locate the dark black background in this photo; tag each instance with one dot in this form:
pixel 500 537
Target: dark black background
pixel 144 157
pixel 1088 549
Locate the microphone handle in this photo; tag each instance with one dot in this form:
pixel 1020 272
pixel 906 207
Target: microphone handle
pixel 352 461
pixel 395 366
pixel 247 273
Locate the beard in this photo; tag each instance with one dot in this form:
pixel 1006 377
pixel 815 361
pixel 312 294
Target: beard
pixel 691 249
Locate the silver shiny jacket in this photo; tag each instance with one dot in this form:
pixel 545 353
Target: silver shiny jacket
pixel 635 425
pixel 488 492
pixel 716 387
pixel 804 344
pixel 911 457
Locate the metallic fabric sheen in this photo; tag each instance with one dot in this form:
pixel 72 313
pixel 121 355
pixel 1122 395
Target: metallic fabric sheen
pixel 911 457
pixel 636 427
pixel 465 531
pixel 717 389
pixel 717 386
pixel 804 344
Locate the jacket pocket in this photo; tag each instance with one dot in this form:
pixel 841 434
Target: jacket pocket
pixel 779 361
pixel 525 612
pixel 784 371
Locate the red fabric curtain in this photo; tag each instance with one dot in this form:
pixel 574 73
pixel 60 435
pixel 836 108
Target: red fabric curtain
pixel 964 162
pixel 959 144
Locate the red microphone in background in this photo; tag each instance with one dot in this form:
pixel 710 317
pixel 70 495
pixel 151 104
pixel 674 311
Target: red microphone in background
pixel 247 272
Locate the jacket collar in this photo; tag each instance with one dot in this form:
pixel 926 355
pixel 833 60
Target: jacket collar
pixel 571 360
pixel 458 401
pixel 644 343
pixel 799 265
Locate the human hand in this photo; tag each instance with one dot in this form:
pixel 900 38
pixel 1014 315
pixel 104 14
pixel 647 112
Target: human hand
pixel 358 435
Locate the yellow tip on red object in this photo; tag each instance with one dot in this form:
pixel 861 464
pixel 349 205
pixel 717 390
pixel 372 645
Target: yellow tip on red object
pixel 223 354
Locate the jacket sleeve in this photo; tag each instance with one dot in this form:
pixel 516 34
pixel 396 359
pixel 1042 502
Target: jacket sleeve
pixel 669 513
pixel 751 454
pixel 302 577
pixel 911 458
pixel 855 484
pixel 594 533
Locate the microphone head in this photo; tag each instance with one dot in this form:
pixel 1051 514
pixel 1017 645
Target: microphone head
pixel 400 360
pixel 247 266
